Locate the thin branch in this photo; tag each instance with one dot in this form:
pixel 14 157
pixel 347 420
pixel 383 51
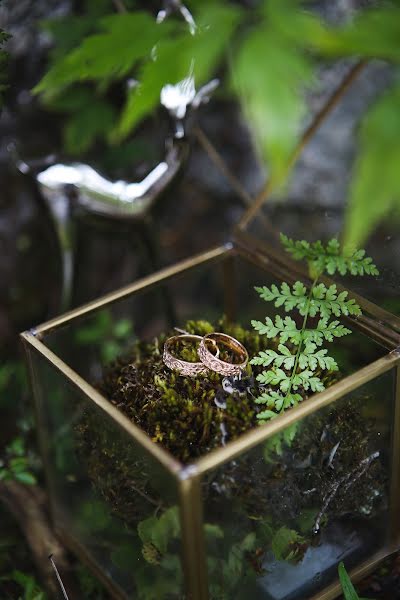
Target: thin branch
pixel 28 504
pixel 305 138
pixel 219 162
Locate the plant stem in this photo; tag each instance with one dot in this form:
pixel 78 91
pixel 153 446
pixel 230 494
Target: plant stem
pixel 296 362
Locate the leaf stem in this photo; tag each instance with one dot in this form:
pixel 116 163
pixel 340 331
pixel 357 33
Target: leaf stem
pixel 296 362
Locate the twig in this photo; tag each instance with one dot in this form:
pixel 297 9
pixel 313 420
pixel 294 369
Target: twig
pixel 28 504
pixel 234 182
pixel 305 138
pixel 53 564
pixel 347 480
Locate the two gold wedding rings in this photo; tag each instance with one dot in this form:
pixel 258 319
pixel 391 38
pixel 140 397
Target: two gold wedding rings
pixel 209 348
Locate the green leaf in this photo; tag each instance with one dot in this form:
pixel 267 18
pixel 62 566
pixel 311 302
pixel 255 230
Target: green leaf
pixel 284 541
pixel 88 124
pixel 372 33
pixel 348 589
pixel 285 328
pixel 273 95
pixel 375 187
pixel 25 477
pixel 267 357
pixel 124 40
pixel 177 58
pixel 266 415
pixel 307 380
pixel 275 377
pixel 310 358
pixel 330 258
pixel 325 330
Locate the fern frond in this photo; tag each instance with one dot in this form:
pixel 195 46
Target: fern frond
pixel 275 400
pixel 285 328
pixel 324 300
pixel 276 377
pixel 309 358
pixel 267 357
pixel 289 298
pixel 329 258
pixel 327 301
pixel 307 380
pixel 325 330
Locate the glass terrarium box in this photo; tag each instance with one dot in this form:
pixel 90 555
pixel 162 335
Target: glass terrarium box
pixel 170 487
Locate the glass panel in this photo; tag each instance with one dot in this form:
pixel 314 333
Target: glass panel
pixel 110 498
pixel 279 518
pixel 315 200
pixel 208 292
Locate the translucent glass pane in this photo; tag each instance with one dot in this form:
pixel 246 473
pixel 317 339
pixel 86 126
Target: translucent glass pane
pixel 111 500
pixel 207 292
pixel 279 519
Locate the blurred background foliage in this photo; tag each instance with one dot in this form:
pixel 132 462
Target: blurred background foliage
pixel 266 56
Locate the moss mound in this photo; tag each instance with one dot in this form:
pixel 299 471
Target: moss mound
pixel 187 416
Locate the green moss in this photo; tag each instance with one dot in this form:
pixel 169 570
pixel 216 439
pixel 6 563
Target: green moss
pixel 180 413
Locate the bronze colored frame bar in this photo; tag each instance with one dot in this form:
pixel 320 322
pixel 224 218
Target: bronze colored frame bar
pixel 142 284
pixel 395 467
pixel 252 438
pixel 159 454
pixel 194 551
pixel 189 477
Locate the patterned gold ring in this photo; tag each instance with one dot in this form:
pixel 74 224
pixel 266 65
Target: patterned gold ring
pixel 183 367
pixel 213 362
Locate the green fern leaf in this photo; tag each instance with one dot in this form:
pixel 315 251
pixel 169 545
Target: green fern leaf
pixel 325 330
pixel 307 380
pixel 285 296
pixel 310 358
pixel 268 357
pixel 327 301
pixel 275 400
pixel 275 377
pixel 330 259
pixel 285 328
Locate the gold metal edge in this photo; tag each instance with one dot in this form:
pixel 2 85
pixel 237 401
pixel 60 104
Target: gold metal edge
pixel 172 465
pixel 141 284
pixel 335 589
pixel 259 434
pixel 193 545
pixel 76 547
pixel 395 468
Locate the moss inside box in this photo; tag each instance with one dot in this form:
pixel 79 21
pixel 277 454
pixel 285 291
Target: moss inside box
pixel 326 464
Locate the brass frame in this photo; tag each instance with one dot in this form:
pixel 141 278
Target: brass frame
pixel 188 477
pixel 378 324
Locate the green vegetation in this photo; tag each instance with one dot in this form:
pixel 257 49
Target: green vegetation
pixel 97 51
pixel 294 366
pixel 348 588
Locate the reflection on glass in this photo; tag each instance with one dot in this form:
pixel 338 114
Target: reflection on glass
pixel 281 517
pixel 109 496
